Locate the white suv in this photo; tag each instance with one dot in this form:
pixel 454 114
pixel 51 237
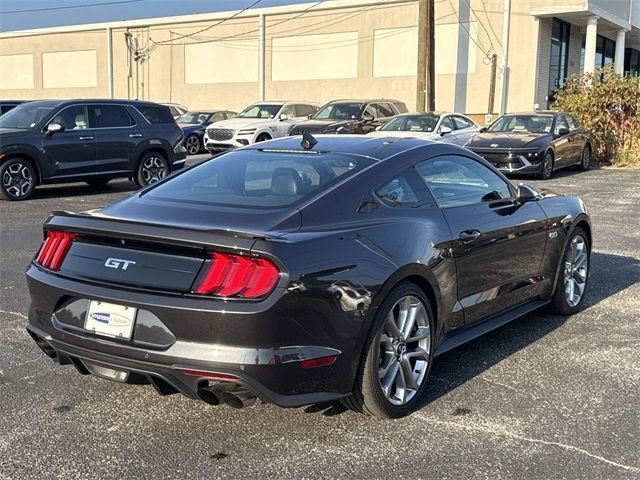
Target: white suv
pixel 256 123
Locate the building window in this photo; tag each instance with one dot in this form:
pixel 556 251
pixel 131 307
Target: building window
pixel 605 52
pixel 632 62
pixel 559 55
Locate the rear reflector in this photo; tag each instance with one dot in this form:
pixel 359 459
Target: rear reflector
pixel 54 249
pixel 213 375
pixel 318 362
pixel 228 275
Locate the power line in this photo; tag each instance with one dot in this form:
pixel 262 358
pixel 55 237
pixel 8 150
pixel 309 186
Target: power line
pixel 486 53
pixel 71 6
pixel 486 14
pixel 239 12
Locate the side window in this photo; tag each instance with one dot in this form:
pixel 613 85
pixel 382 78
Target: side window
pixel 561 123
pixel 108 116
pixel 385 110
pixel 401 107
pixel 446 122
pixel 174 111
pixel 573 123
pixel 156 114
pixel 405 189
pixel 459 123
pixel 305 110
pixel 72 118
pixel 216 117
pixel 455 181
pixel 289 110
pixel 231 114
pixel 371 110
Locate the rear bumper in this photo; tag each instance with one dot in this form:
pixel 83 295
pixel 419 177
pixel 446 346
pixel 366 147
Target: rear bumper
pixel 263 348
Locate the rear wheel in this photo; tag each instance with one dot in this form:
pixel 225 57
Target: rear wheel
pixel 547 166
pixel 17 179
pixel 398 354
pixel 192 144
pixel 585 159
pixel 574 274
pixel 152 168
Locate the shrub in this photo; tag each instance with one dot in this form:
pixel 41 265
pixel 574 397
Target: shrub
pixel 608 106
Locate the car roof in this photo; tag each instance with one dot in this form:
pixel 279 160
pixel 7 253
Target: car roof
pixel 543 113
pixel 115 101
pixel 377 148
pixel 364 100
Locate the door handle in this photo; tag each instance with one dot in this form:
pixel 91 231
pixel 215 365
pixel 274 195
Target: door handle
pixel 135 135
pixel 86 138
pixel 469 235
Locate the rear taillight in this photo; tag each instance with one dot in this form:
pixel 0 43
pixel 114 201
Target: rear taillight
pixel 54 249
pixel 228 275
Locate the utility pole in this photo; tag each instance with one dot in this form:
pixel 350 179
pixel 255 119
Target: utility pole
pixel 492 88
pixel 425 85
pixel 506 25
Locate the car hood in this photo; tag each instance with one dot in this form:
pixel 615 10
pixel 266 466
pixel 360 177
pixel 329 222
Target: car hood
pixel 507 140
pixel 317 126
pixel 404 134
pixel 238 123
pixel 7 133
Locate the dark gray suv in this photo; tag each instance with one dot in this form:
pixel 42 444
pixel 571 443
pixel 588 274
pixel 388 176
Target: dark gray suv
pixel 93 141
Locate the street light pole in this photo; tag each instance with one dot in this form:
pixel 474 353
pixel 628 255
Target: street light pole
pixel 506 25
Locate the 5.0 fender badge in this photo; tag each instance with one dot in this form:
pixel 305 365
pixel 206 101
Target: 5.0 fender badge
pixel 553 234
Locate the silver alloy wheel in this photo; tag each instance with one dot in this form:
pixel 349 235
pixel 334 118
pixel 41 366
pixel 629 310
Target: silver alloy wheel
pixel 153 169
pixel 192 145
pixel 576 269
pixel 17 180
pixel 405 345
pixel 548 165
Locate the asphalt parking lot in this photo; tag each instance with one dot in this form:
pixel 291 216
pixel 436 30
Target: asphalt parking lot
pixel 544 397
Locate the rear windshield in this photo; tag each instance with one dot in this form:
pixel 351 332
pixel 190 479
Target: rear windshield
pixel 256 179
pixel 156 113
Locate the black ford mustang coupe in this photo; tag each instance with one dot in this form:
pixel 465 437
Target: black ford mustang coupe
pixel 295 275
pixel 534 143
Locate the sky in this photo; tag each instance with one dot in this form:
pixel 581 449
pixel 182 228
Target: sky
pixel 29 14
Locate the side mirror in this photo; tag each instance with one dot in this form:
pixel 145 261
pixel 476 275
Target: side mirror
pixel 525 193
pixel 563 131
pixel 445 130
pixel 483 129
pixel 283 117
pixel 54 128
pixel 367 118
pixel 378 127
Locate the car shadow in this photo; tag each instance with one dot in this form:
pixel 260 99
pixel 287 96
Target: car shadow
pixel 82 189
pixel 610 274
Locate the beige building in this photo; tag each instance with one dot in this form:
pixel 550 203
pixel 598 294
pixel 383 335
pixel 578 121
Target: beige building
pixel 326 50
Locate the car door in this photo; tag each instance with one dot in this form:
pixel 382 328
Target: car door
pixel 448 137
pixel 117 136
pixel 498 243
pixel 385 112
pixel 464 130
pixel 71 152
pixel 576 138
pixel 364 126
pixel 561 142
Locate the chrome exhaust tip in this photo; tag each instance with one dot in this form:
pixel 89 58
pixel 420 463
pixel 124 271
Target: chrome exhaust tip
pixel 212 394
pixel 239 398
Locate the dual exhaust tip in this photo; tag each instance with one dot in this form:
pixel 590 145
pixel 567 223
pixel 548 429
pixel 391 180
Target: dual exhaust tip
pixel 227 393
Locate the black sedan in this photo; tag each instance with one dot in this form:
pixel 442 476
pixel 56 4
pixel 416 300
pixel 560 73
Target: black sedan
pixel 349 116
pixel 194 124
pixel 534 143
pixel 292 275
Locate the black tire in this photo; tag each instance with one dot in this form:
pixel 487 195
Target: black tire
pixel 263 137
pixel 368 396
pixel 560 303
pixel 17 179
pixel 546 169
pixel 585 159
pixel 152 167
pixel 98 182
pixel 192 144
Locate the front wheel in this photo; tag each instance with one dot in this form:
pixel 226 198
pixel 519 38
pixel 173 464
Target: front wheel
pixel 152 168
pixel 263 137
pixel 547 167
pixel 398 353
pixel 574 274
pixel 17 179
